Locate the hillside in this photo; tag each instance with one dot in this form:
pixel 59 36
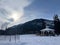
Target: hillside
pixel 30 27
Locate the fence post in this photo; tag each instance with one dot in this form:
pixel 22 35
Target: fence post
pixel 10 38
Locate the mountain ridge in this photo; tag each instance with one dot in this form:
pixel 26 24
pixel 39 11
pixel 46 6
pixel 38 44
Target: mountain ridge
pixel 29 27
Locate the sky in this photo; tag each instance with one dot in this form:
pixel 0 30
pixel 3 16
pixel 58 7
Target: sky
pixel 13 12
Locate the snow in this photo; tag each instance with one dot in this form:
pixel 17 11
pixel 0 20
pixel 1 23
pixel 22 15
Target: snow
pixel 47 29
pixel 30 39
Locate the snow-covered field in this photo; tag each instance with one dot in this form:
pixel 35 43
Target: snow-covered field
pixel 30 40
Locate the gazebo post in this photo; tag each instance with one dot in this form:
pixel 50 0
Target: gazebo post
pixel 43 33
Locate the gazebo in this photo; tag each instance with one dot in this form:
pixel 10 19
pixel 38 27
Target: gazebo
pixel 47 32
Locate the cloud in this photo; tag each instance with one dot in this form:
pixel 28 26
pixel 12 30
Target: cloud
pixel 8 7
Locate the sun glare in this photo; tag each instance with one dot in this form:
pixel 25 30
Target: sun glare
pixel 15 16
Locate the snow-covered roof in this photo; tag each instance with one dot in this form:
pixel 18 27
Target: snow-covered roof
pixel 47 29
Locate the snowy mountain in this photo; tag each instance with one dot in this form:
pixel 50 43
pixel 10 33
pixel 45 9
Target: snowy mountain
pixel 29 27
